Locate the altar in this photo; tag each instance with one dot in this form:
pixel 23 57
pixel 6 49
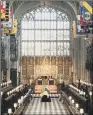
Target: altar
pixel 45 80
pixel 51 88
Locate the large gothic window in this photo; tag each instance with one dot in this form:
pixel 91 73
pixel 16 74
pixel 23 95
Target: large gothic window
pixel 45 32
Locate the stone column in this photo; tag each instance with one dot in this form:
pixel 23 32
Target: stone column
pixel 7 55
pixel 13 59
pixel 77 57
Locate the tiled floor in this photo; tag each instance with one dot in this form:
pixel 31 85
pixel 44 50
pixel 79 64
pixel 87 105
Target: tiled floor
pixel 55 107
pixel 51 95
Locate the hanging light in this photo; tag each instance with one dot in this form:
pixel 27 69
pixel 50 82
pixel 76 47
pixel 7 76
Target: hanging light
pixel 1 84
pixel 9 111
pixel 81 111
pixel 72 101
pixel 19 101
pixel 77 105
pixel 15 105
pixel 90 93
pixel 84 93
pixel 8 93
pixel 70 98
pixel 1 94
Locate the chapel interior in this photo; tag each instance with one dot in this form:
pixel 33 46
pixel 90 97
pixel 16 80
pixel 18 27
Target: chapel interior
pixel 46 57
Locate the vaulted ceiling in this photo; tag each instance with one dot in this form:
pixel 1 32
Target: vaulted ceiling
pixel 20 7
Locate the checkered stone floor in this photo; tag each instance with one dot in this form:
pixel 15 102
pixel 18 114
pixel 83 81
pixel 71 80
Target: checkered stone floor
pixel 51 95
pixel 55 107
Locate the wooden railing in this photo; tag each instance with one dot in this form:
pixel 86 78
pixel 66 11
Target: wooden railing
pixel 21 108
pixel 86 83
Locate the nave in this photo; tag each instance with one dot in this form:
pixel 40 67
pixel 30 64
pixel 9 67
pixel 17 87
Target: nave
pixel 70 99
pixel 55 107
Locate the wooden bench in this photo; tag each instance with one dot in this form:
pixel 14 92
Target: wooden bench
pixel 67 103
pixel 5 89
pixel 19 110
pixel 82 101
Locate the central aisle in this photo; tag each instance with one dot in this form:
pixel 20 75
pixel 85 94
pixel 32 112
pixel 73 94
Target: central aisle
pixel 55 107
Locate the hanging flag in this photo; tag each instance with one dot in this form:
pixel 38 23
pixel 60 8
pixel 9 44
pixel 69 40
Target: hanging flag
pixel 86 11
pixel 3 9
pixel 85 17
pixel 14 30
pixel 7 12
pixel 11 15
pixel 5 30
pixel 6 15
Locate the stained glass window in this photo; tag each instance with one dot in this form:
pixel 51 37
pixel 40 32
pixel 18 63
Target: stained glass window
pixel 45 31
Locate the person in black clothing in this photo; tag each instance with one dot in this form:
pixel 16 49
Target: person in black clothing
pixel 4 105
pixel 32 86
pixel 79 84
pixel 63 86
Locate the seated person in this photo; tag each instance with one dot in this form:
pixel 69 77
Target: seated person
pixel 45 95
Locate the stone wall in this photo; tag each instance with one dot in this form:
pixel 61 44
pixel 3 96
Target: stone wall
pixel 79 58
